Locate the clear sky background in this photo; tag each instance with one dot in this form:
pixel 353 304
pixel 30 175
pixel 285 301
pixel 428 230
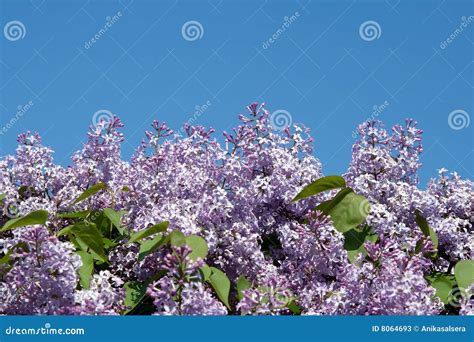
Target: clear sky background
pixel 321 69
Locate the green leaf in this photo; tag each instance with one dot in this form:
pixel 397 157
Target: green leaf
pixel 221 285
pixel 6 258
pixel 149 246
pixel 422 223
pixel 205 272
pixel 242 285
pixel 354 240
pixel 101 221
pixel 75 214
pixel 443 284
pixel 90 191
pixel 25 191
pixel 88 234
pixel 108 243
pixel 35 217
pixel 177 238
pixel 464 273
pixel 294 308
pixel 321 185
pixel 434 238
pixel 198 246
pixel 134 293
pixel 443 288
pixel 426 229
pixel 347 209
pixel 115 217
pixel 419 245
pixel 85 272
pixel 22 246
pixel 66 230
pixel 2 197
pixel 326 206
pixel 157 228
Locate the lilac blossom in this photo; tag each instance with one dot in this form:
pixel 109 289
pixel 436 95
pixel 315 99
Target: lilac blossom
pixel 44 274
pixel 236 193
pixel 180 292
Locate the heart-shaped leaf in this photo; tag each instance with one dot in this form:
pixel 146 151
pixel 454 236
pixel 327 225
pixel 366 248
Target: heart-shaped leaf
pixel 177 239
pixel 464 273
pixel 198 246
pixel 347 209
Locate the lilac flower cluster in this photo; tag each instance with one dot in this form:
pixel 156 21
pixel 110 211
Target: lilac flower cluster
pixel 180 292
pixel 238 196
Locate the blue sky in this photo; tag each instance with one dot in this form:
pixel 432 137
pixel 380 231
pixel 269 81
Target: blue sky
pixel 321 68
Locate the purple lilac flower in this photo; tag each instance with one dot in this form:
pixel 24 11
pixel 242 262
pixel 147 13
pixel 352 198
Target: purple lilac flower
pixel 43 278
pixel 237 195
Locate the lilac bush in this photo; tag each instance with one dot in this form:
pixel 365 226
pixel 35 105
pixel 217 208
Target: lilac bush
pixel 194 226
